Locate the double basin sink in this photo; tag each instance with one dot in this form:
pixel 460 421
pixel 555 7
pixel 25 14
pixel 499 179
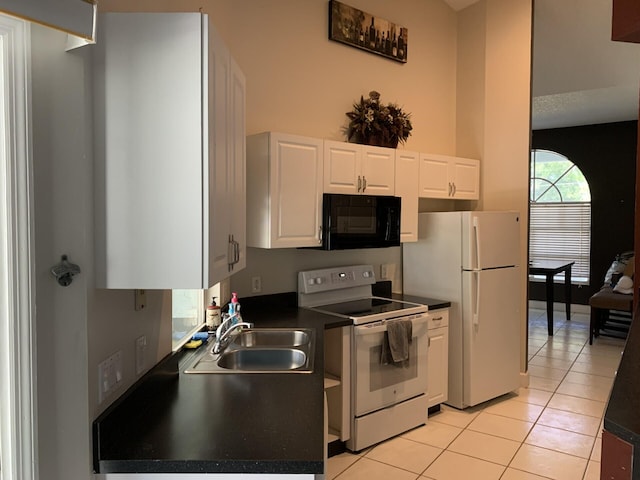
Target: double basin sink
pixel 260 350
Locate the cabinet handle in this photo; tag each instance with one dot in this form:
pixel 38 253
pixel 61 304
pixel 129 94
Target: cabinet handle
pixel 428 341
pixel 236 251
pixel 359 183
pixel 450 189
pixel 437 319
pixel 364 183
pixel 230 253
pixel 320 235
pixel 454 188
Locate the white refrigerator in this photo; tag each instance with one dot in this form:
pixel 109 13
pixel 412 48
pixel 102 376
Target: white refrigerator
pixel 472 260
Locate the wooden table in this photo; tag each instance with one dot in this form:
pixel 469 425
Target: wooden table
pixel 549 269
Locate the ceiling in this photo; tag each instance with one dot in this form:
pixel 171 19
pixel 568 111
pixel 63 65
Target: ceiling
pixel 580 76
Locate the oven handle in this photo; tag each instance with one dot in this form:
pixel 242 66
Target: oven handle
pixel 381 326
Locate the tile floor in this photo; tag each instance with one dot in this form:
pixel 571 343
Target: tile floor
pixel 550 430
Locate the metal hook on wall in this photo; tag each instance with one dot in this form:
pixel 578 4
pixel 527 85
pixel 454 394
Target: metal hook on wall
pixel 64 271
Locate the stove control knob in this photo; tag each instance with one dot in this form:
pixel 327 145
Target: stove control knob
pixel 311 281
pixel 319 280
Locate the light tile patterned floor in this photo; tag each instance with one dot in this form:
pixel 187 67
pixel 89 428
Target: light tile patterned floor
pixel 551 430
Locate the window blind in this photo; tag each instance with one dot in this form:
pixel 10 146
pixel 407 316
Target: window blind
pixel 562 231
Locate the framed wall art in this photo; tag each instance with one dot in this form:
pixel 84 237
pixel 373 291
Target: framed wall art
pixel 368 32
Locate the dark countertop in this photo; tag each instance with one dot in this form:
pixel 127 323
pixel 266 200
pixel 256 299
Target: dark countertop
pixel 622 417
pixel 170 421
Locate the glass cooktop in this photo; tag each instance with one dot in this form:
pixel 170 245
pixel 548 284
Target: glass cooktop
pixel 372 306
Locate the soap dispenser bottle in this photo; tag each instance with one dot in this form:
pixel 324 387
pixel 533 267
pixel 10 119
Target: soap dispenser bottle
pixel 234 309
pixel 213 315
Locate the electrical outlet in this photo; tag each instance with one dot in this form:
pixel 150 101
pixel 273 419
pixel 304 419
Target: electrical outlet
pixel 225 291
pixel 141 347
pixel 256 284
pixel 383 271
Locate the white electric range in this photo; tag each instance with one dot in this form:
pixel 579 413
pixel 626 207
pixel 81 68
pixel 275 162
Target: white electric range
pixel 386 399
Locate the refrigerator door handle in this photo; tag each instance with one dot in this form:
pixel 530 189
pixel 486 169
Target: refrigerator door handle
pixel 476 307
pixel 476 241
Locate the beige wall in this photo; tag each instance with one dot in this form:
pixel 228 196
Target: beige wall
pixel 300 82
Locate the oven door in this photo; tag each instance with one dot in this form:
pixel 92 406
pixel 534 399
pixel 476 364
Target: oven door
pixel 377 385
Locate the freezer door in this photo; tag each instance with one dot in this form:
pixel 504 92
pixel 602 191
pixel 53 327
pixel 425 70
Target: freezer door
pixel 490 240
pixel 491 333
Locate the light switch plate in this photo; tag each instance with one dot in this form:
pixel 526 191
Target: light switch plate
pixel 141 348
pixel 109 375
pixel 140 299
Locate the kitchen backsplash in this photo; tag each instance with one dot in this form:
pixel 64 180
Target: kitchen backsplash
pixel 278 268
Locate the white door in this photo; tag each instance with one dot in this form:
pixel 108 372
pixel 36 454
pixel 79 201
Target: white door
pixel 464 175
pixel 437 365
pixel 491 333
pixel 490 239
pixel 238 164
pixel 434 176
pixel 407 167
pixel 296 193
pixel 378 170
pixel 342 167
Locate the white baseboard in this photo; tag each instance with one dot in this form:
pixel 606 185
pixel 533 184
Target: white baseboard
pixel 558 306
pixel 524 379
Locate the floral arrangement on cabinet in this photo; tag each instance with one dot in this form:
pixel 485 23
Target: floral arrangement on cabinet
pixel 373 123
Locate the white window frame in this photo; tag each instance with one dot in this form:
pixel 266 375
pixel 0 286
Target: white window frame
pixel 18 420
pixel 199 320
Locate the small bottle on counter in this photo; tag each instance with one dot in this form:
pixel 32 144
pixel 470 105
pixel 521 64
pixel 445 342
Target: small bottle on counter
pixel 234 308
pixel 213 315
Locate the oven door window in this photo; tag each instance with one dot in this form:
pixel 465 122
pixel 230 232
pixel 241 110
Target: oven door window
pixel 378 385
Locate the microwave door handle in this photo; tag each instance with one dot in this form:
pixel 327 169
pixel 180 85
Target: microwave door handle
pixel 387 233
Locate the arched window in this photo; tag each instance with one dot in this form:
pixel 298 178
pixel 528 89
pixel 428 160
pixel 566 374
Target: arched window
pixel 560 213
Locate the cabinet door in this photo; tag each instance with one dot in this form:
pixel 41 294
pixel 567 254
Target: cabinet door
pixel 434 176
pixel 296 191
pixel 238 166
pixel 437 368
pixel 219 193
pixel 149 151
pixel 378 170
pixel 407 168
pixel 342 167
pixel 464 174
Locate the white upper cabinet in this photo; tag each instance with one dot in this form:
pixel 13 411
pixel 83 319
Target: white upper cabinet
pixel 351 168
pixel 442 176
pixel 407 167
pixel 284 190
pixel 169 152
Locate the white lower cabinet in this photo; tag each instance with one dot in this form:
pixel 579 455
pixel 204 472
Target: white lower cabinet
pixel 438 357
pixel 284 190
pixel 442 176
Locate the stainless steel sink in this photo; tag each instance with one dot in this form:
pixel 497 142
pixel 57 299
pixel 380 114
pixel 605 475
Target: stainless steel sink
pixel 271 337
pixel 260 350
pixel 263 359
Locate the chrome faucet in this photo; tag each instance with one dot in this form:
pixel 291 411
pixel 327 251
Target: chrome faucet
pixel 224 331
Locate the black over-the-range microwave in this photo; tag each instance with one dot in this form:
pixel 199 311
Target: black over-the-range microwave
pixel 360 221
